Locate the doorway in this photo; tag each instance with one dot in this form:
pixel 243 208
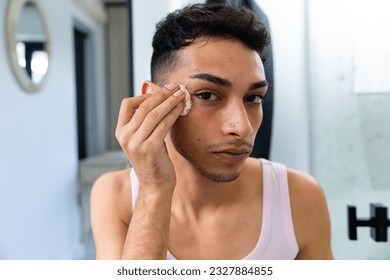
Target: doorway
pixel 79 46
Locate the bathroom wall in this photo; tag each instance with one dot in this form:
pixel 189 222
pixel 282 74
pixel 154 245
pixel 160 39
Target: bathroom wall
pixel 39 202
pixel 350 132
pixel 290 129
pixel 321 125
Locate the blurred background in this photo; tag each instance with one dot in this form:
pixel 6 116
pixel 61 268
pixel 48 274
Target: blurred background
pixel 65 66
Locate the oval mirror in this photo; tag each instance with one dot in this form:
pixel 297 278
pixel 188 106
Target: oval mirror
pixel 28 43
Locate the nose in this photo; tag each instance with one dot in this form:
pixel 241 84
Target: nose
pixel 236 121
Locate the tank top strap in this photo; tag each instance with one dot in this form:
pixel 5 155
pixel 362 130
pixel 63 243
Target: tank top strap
pixel 134 188
pixel 281 205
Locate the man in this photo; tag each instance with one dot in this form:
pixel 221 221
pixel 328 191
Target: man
pixel 193 191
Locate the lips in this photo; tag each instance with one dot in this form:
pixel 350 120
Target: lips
pixel 232 155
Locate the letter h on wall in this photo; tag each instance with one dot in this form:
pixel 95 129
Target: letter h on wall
pixel 378 222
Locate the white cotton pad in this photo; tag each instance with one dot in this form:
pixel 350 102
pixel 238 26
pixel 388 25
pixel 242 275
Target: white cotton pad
pixel 188 103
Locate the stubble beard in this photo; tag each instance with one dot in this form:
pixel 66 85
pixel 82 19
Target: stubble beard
pixel 218 178
pixel 211 176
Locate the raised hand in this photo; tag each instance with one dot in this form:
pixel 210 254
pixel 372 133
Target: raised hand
pixel 143 124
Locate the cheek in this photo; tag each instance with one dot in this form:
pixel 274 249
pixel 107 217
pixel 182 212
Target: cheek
pixel 191 130
pixel 184 132
pixel 257 119
pixel 255 116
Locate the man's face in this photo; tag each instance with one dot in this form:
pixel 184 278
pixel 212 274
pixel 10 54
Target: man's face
pixel 227 82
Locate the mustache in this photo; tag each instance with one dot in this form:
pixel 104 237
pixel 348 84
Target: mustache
pixel 236 143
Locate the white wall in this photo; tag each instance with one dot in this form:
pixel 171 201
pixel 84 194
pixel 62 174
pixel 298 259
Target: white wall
pixel 320 125
pixel 39 211
pixel 350 132
pixel 290 129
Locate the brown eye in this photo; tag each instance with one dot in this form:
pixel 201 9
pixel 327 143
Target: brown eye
pixel 208 96
pixel 254 99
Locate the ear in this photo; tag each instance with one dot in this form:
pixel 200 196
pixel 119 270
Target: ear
pixel 148 87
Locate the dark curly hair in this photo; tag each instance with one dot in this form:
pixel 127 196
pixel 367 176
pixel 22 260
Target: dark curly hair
pixel 182 27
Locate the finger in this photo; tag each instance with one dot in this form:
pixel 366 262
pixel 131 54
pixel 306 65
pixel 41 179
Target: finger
pixel 154 117
pixel 159 95
pixel 148 111
pixel 130 105
pixel 128 108
pixel 163 127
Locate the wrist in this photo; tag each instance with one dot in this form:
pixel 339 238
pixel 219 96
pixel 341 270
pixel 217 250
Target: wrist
pixel 156 203
pixel 156 193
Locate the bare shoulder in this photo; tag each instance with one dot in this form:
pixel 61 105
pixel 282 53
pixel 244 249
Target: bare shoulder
pixel 303 183
pixel 113 182
pixel 110 213
pixel 306 195
pixel 310 216
pixel 112 192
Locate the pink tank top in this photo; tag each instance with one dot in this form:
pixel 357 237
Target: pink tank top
pixel 277 238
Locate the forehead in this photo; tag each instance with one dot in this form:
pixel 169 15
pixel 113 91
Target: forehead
pixel 229 58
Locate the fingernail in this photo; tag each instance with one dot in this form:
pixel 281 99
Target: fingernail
pixel 170 86
pixel 178 93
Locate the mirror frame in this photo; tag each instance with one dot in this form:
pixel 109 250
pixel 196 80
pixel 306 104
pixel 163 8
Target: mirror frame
pixel 14 12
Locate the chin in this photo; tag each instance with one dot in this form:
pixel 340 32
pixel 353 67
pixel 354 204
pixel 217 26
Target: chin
pixel 219 178
pixel 217 175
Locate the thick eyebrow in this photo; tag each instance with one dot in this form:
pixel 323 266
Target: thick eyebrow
pixel 213 79
pixel 226 83
pixel 257 85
